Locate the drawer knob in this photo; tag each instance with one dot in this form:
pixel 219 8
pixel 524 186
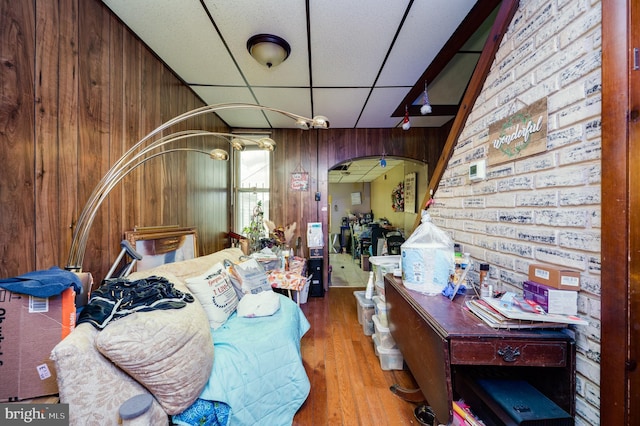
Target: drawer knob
pixel 509 354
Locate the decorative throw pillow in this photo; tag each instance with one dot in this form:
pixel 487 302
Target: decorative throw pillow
pixel 170 352
pixel 214 291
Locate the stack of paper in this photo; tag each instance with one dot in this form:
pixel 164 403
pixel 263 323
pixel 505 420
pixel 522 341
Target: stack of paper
pixel 509 311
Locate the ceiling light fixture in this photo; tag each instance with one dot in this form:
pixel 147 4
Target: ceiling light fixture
pixel 426 107
pixel 269 50
pixel 406 124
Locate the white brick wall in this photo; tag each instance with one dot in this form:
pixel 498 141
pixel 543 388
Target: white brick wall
pixel 543 208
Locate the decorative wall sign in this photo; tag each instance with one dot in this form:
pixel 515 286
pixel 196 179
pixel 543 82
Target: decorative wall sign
pixel 299 179
pixel 520 135
pixel 397 198
pixel 410 193
pixel 356 200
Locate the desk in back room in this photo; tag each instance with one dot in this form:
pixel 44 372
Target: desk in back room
pixel 445 346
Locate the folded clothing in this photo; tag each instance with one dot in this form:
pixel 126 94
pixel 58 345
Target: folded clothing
pixel 120 297
pixel 43 283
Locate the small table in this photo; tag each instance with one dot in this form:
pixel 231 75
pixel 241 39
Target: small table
pixel 446 346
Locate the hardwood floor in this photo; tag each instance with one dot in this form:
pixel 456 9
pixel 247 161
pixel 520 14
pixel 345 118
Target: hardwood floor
pixel 348 387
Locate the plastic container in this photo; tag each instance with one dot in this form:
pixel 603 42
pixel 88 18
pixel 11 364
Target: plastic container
pixel 383 265
pixel 366 310
pixel 427 258
pixel 380 289
pixel 390 359
pixel 303 294
pixel 380 305
pixel 382 332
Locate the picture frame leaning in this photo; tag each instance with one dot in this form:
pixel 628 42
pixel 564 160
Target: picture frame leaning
pixel 163 244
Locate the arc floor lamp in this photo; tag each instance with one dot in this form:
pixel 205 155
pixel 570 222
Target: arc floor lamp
pixel 153 145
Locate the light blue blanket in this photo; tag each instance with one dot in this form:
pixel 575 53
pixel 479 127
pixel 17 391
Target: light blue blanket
pixel 257 367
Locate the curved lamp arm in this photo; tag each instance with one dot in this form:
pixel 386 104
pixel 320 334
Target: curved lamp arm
pixel 137 155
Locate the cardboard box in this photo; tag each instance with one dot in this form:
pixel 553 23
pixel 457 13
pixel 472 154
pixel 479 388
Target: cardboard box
pixel 555 276
pixel 552 300
pixel 29 329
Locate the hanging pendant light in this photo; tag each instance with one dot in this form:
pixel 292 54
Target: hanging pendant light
pixel 406 124
pixel 426 107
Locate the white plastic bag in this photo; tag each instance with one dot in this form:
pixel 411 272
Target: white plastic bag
pixel 427 258
pixel 247 277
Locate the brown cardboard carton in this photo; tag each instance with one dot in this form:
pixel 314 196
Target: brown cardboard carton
pixel 555 276
pixel 29 329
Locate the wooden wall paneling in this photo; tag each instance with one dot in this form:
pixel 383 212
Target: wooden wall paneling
pixel 116 133
pixel 151 174
pixel 185 215
pixel 296 149
pixel 93 71
pixel 634 234
pixel 287 152
pixel 170 162
pixel 67 124
pixel 16 137
pixel 47 201
pixel 202 173
pixel 220 204
pixel 179 96
pixel 131 201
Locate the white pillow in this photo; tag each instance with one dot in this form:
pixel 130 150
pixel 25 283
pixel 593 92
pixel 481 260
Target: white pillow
pixel 261 304
pixel 214 291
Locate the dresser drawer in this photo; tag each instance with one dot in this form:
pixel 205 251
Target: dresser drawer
pixel 526 353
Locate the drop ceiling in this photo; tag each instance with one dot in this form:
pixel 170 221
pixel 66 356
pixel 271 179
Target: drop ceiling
pixel 362 170
pixel 360 63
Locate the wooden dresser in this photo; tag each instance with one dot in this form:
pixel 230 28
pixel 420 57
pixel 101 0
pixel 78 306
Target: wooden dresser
pixel 447 348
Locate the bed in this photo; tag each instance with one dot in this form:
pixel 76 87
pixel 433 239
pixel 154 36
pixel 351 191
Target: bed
pixel 246 370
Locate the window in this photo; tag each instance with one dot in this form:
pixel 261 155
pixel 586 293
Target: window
pixel 252 184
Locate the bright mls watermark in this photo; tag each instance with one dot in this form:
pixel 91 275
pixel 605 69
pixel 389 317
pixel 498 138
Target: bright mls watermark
pixel 34 414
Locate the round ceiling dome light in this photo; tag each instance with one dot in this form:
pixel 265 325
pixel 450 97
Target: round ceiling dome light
pixel 269 50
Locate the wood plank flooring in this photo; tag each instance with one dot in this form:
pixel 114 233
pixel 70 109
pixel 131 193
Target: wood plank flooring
pixel 348 386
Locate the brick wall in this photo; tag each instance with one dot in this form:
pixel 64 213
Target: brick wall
pixel 543 208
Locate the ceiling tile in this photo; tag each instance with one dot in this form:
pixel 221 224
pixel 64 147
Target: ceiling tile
pixel 341 106
pixel 350 39
pixel 352 44
pixel 381 104
pixel 161 25
pixel 425 31
pixel 294 100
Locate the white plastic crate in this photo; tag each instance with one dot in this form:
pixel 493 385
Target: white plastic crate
pixel 381 266
pixel 381 329
pixel 380 305
pixel 366 310
pixel 390 359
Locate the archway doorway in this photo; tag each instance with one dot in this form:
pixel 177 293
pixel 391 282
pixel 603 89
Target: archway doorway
pixel 362 209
